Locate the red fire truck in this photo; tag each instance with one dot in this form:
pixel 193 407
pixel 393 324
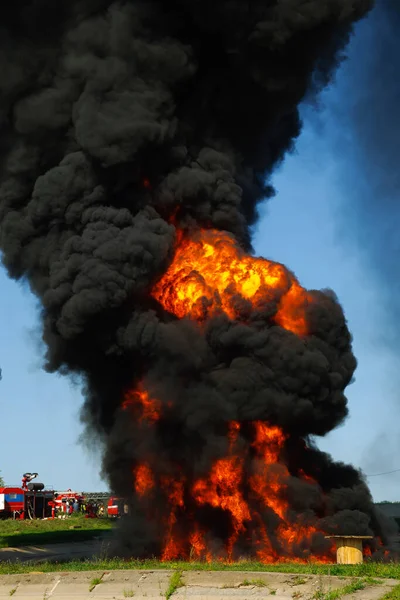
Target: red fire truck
pixel 115 507
pixel 63 499
pixel 28 501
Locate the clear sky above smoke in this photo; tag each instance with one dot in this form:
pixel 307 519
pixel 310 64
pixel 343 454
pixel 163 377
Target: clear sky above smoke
pixel 300 227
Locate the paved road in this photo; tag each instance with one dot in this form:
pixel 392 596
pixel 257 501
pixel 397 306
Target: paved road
pixel 196 585
pixel 101 546
pixel 54 552
pixel 57 552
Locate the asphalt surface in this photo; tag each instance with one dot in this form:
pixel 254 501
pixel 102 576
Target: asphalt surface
pixel 57 552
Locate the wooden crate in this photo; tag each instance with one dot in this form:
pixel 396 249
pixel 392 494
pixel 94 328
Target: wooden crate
pixel 349 549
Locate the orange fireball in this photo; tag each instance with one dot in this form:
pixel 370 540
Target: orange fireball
pixel 210 273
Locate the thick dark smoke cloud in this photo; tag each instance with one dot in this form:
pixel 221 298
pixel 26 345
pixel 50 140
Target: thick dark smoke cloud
pixel 119 119
pixel 367 124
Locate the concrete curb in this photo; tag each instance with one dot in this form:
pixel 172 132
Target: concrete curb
pixel 196 585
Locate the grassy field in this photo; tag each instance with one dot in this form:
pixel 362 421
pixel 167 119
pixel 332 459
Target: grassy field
pixel 366 570
pixel 394 594
pixel 25 533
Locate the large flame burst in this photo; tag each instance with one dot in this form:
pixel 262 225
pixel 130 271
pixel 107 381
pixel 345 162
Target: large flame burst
pixel 243 485
pixel 209 273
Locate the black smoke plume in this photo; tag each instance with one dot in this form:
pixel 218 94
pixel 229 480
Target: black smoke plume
pixel 122 122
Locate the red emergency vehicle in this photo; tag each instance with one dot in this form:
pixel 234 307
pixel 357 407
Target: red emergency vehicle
pixel 29 501
pixel 63 499
pixel 115 507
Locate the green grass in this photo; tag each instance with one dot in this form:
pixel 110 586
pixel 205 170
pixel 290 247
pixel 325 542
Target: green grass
pixel 394 594
pixel 175 582
pixel 25 533
pixel 255 582
pixel 95 581
pixel 388 570
pixel 299 581
pixel 354 586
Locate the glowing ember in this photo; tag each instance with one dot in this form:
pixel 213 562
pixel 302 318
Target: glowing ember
pixel 140 401
pixel 144 480
pixel 173 545
pixel 198 546
pixel 222 489
pixel 268 441
pixel 306 477
pixel 233 432
pixel 268 481
pixel 211 273
pixel 146 183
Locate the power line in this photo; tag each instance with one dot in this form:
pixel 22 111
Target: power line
pixel 385 473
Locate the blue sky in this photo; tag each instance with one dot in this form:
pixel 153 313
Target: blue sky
pixel 301 227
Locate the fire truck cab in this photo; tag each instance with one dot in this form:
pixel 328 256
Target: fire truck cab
pixel 30 501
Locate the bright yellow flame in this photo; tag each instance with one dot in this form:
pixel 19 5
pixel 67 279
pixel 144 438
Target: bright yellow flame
pixel 211 273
